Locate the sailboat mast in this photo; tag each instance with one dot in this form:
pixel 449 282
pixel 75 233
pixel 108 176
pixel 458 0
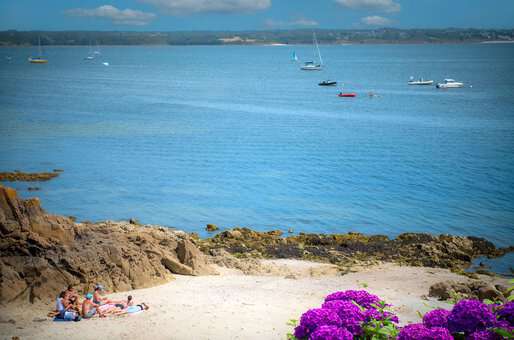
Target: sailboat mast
pixel 317 48
pixel 39 45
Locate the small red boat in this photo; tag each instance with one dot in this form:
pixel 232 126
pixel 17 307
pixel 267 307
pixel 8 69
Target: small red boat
pixel 351 94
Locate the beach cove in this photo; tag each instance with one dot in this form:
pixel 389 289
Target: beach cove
pixel 224 294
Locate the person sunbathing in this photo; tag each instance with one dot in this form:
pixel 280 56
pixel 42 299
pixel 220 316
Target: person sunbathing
pixel 89 308
pixel 71 292
pixel 132 309
pixel 64 310
pixel 99 299
pixel 128 303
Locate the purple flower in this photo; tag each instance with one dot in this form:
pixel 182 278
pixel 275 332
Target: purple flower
pixel 415 331
pixel 506 312
pixel 314 318
pixel 362 297
pixel 373 314
pixel 350 314
pixel 301 332
pixel 440 333
pixel 436 318
pixel 331 333
pixel 469 316
pixel 483 335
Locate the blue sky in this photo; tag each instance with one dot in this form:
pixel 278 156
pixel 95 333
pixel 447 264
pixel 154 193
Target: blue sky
pixel 170 15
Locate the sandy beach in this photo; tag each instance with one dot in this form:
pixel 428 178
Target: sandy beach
pixel 236 306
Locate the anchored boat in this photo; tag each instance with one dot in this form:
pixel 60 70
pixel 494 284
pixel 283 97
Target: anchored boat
pixel 328 83
pixel 310 65
pixel 347 95
pixel 449 84
pixel 39 59
pixel 420 81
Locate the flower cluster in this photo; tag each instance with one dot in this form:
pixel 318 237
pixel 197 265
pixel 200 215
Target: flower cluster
pixel 357 314
pixel 331 333
pixel 469 316
pixel 361 297
pixel 506 312
pixel 419 331
pixel 436 318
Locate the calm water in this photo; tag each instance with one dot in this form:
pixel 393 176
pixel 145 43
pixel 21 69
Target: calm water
pixel 184 136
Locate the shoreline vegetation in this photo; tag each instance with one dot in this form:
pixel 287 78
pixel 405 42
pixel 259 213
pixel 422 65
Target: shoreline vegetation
pixel 238 274
pixel 11 38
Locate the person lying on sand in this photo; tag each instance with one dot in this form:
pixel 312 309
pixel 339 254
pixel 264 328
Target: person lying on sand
pixel 128 303
pixel 133 309
pixel 89 308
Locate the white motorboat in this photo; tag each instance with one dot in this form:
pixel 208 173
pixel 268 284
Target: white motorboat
pixel 449 84
pixel 420 81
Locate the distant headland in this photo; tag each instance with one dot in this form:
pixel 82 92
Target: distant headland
pixel 273 37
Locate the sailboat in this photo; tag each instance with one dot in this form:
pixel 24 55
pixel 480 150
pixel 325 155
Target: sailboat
pixel 39 59
pixel 90 55
pixel 310 65
pixel 97 50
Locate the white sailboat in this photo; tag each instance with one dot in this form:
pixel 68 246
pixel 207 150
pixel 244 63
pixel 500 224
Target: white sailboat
pixel 311 65
pixel 90 55
pixel 39 59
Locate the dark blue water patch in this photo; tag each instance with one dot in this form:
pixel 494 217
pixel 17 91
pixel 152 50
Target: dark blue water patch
pixel 503 265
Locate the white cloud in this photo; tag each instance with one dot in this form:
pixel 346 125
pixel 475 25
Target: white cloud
pixel 118 16
pixel 300 22
pixel 376 20
pixel 219 6
pixel 388 6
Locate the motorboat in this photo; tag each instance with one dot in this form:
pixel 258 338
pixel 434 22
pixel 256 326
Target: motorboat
pixel 449 84
pixel 420 81
pixel 347 95
pixel 328 83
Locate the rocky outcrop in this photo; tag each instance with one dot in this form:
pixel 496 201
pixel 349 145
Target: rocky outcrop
pixel 42 253
pixel 444 251
pixel 475 289
pixel 29 176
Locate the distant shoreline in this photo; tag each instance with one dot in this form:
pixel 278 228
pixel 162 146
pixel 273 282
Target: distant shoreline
pixel 265 37
pixel 279 44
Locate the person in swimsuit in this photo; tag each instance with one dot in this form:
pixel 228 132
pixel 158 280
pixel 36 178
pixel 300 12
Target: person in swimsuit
pixel 89 308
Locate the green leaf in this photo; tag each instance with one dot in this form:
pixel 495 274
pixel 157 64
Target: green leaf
pixel 292 322
pixel 290 336
pixel 489 302
pixel 504 333
pixel 510 298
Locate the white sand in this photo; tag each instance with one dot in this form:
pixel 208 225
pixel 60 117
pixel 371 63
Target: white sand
pixel 234 306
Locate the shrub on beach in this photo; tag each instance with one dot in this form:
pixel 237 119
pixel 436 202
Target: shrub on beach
pixel 357 314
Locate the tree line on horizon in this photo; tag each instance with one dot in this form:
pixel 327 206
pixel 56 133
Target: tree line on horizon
pixel 324 36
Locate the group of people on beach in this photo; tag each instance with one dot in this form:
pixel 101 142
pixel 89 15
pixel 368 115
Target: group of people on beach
pixel 69 307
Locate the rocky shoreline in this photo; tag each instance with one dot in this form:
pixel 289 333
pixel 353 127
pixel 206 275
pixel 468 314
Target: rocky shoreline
pixel 41 253
pixel 355 249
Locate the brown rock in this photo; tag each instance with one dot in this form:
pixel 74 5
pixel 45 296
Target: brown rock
pixel 441 290
pixel 489 292
pixel 41 253
pixel 211 227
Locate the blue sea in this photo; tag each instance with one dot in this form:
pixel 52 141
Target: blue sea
pixel 239 136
